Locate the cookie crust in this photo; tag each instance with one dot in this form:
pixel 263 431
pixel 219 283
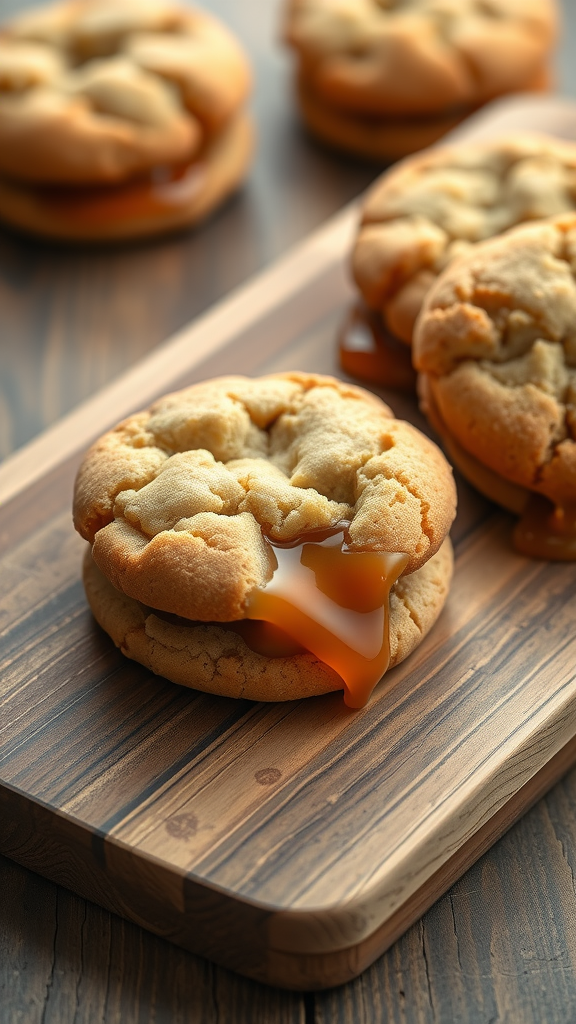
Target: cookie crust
pixel 215 660
pixel 493 486
pixel 219 169
pixel 497 341
pixel 175 500
pixel 388 57
pixel 98 91
pixel 434 207
pixel 377 138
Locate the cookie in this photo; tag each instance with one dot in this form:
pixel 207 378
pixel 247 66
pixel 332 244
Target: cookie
pixel 109 93
pixel 431 209
pixel 208 505
pixel 496 343
pixel 377 138
pixel 165 200
pixel 390 59
pixel 434 206
pixel 212 658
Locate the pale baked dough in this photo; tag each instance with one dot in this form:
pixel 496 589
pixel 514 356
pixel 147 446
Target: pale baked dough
pixel 221 166
pixel 216 660
pixel 418 56
pixel 176 499
pixel 434 207
pixel 497 341
pixel 96 91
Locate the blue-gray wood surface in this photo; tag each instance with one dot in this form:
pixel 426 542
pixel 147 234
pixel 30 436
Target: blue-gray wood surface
pixel 501 945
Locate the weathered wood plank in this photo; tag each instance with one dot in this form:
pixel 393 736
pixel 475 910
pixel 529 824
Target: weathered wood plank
pixel 64 959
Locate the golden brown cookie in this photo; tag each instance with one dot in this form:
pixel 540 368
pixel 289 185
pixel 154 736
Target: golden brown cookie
pixel 390 57
pixel 433 207
pixel 98 91
pixel 496 340
pixel 378 138
pixel 106 93
pixel 210 657
pixel 190 505
pixel 164 200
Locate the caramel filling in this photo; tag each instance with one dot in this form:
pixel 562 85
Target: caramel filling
pixel 547 531
pixel 164 190
pixel 371 353
pixel 335 603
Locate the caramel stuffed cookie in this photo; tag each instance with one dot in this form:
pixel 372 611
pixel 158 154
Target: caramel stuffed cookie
pixel 434 208
pixel 119 118
pixel 496 348
pixel 272 538
pixel 383 78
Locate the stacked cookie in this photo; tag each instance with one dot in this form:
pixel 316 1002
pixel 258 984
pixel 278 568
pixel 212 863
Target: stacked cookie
pixel 383 78
pixel 496 348
pixel 119 118
pixel 271 538
pixel 432 209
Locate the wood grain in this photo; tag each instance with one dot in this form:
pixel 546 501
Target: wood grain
pixel 93 966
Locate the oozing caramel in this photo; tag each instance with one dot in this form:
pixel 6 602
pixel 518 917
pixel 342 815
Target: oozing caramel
pixel 335 603
pixel 164 190
pixel 368 351
pixel 547 531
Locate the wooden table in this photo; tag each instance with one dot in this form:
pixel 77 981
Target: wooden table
pixel 501 945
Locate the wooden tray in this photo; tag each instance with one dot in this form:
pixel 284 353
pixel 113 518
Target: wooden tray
pixel 291 842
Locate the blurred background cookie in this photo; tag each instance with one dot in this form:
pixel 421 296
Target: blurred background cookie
pixel 119 118
pixel 427 211
pixel 496 347
pixel 384 78
pixel 271 538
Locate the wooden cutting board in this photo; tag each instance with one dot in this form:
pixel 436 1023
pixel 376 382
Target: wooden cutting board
pixel 292 842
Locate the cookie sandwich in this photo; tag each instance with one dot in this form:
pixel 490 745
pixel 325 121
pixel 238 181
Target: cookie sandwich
pixel 428 211
pixel 119 118
pixel 271 539
pixel 495 345
pixel 384 78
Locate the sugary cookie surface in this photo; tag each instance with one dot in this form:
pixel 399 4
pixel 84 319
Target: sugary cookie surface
pixel 178 500
pixel 101 90
pixel 400 56
pixel 497 340
pixel 436 206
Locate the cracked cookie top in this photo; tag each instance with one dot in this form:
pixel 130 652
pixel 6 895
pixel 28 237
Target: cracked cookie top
pixel 177 501
pixel 497 339
pixel 418 56
pixel 102 90
pixel 434 207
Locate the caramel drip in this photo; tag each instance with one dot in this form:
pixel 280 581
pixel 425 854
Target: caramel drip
pixel 371 353
pixel 335 603
pixel 547 531
pixel 164 190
